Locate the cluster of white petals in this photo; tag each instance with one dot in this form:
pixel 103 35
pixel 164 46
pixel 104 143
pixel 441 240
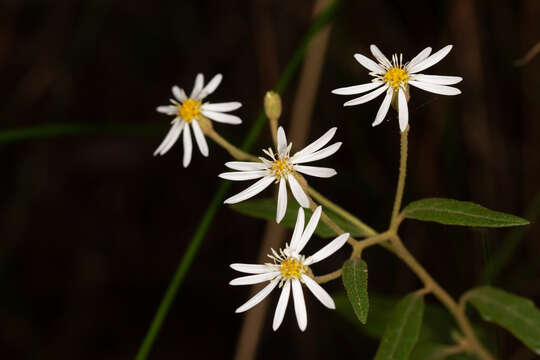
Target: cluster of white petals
pixel 280 168
pixel 187 112
pixel 393 78
pixel 289 270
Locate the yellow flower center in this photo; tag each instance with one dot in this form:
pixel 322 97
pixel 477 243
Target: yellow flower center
pixel 291 268
pixel 189 110
pixel 396 77
pixel 281 167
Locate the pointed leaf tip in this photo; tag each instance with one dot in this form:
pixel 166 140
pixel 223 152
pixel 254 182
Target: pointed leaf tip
pixel 464 213
pixel 516 314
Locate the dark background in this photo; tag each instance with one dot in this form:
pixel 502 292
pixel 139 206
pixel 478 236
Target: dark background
pixel 92 226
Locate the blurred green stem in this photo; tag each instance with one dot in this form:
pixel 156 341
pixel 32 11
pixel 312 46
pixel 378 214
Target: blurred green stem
pixel 208 217
pixel 181 271
pixel 66 129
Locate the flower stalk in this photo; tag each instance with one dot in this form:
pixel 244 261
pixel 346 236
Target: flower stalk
pixel 388 239
pixel 401 178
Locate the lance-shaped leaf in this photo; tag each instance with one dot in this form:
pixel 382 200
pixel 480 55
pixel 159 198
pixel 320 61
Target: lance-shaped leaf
pixel 266 209
pixel 514 313
pixel 355 275
pixel 403 329
pixel 437 323
pixel 454 212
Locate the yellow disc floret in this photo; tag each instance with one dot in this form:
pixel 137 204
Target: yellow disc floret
pixel 189 110
pixel 396 77
pixel 292 268
pixel 281 167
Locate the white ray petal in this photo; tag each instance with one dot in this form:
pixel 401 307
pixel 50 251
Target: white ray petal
pixel 255 279
pixel 298 229
pixel 322 172
pixel 369 64
pixel 328 249
pixel 299 304
pixel 383 109
pixel 282 200
pixel 171 138
pixel 188 146
pixel 422 55
pixel 197 87
pixel 251 268
pixel 403 111
pixel 317 144
pixel 319 292
pixel 281 140
pixel 211 86
pixel 251 191
pixel 222 107
pixel 245 165
pixel 310 228
pixel 318 155
pixel 365 98
pixel 435 88
pixel 431 60
pixel 179 94
pixel 243 175
pixel 357 89
pixel 221 117
pixel 260 296
pixel 167 109
pixel 199 138
pixel 378 54
pixel 297 191
pixel 281 305
pixel 437 79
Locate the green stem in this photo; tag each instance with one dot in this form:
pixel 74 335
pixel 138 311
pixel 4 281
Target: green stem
pixel 341 212
pixel 401 178
pixel 456 310
pixel 181 271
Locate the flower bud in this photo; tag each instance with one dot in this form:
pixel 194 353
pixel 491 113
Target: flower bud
pixel 272 105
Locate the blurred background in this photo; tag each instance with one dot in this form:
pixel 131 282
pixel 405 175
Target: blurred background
pixel 92 226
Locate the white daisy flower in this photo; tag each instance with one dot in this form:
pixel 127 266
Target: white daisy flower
pixel 280 169
pixel 289 269
pixel 189 111
pixel 393 79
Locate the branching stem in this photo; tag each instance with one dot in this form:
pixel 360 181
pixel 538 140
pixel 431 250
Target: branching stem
pixel 401 251
pixel 388 239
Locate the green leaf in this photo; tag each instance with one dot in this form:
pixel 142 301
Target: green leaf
pixel 514 313
pixel 355 275
pixel 454 212
pixel 403 329
pixel 436 326
pixel 266 209
pixel 437 323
